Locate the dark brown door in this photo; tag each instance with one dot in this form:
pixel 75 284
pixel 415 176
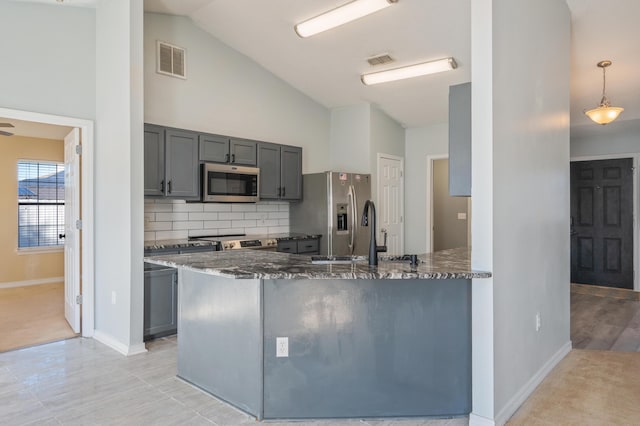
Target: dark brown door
pixel 602 222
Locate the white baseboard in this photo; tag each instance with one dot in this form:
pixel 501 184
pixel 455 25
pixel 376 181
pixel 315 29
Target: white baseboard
pixel 476 420
pixel 31 282
pixel 525 392
pixel 114 344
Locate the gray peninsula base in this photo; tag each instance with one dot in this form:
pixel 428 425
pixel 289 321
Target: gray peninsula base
pixel 356 347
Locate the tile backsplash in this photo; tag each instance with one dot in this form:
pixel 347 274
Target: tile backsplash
pixel 177 219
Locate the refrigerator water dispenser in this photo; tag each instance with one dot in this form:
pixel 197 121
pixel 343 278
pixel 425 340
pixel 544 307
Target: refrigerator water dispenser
pixel 341 222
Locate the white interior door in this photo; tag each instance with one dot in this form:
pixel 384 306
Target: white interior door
pixel 391 202
pixel 72 235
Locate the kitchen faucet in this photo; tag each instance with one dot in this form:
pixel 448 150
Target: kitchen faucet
pixel 374 248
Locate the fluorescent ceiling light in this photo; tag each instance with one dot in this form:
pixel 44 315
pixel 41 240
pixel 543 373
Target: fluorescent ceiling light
pixel 409 71
pixel 340 15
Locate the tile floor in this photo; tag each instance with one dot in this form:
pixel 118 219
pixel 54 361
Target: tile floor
pixel 81 382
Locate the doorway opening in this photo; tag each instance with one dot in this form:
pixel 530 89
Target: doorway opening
pixel 48 289
pixel 448 217
pixel 605 309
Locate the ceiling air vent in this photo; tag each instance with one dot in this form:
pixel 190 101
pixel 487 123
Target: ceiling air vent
pixel 171 60
pixel 379 59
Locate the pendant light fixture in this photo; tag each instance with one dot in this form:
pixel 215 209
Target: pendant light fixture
pixel 604 113
pixel 340 15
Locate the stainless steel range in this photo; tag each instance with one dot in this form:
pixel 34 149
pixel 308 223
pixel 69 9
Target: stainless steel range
pixel 241 242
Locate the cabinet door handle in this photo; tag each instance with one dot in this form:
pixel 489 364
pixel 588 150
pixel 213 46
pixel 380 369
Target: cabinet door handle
pixel 162 186
pixel 233 158
pixel 169 187
pixel 283 191
pixel 226 158
pixel 279 191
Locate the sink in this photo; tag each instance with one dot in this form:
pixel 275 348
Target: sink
pixel 325 260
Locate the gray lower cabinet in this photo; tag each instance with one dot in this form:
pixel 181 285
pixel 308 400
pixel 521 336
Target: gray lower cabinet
pixel 223 149
pixel 160 302
pixel 308 246
pixel 280 172
pixel 171 163
pixel 161 293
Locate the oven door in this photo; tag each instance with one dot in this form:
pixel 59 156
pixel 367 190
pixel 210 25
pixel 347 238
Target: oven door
pixel 232 184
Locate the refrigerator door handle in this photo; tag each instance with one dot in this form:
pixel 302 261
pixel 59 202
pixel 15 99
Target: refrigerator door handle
pixel 354 221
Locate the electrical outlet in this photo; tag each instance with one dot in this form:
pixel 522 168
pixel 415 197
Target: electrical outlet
pixel 113 297
pixel 282 347
pixel 538 323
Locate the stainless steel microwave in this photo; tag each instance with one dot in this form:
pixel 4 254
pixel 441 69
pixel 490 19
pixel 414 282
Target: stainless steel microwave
pixel 230 184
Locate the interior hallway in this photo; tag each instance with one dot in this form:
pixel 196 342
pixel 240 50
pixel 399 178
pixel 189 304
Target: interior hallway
pixel 32 315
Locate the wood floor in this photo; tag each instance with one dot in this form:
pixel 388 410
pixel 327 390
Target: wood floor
pixel 605 318
pixel 32 315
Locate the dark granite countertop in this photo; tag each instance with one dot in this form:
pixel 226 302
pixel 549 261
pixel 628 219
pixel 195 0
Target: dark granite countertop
pixel 257 264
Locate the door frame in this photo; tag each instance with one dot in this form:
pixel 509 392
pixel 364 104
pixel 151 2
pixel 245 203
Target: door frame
pixel 429 199
pixel 86 127
pixel 636 187
pixel 380 156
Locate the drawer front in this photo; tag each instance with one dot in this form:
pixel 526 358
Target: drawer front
pixel 308 246
pixel 289 246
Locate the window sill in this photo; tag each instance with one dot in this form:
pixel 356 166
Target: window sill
pixel 39 250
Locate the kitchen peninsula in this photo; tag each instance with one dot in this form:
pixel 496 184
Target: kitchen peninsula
pixel 282 338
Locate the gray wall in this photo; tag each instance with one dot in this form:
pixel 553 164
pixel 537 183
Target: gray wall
pixel 520 197
pixel 619 137
pixel 228 93
pixel 48 59
pixel 419 144
pixel 350 139
pixel 119 180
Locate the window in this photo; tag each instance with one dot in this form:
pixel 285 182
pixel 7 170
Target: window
pixel 40 204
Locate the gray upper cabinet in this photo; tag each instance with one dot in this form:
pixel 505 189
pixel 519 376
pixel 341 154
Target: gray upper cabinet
pixel 223 149
pixel 214 148
pixel 291 172
pixel 170 163
pixel 280 172
pixel 269 164
pixel 460 140
pixel 181 170
pixel 243 152
pixel 153 160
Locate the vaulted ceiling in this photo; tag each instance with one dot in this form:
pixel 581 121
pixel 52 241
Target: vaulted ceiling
pixel 327 67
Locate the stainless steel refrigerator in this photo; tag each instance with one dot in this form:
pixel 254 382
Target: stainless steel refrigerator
pixel 332 206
